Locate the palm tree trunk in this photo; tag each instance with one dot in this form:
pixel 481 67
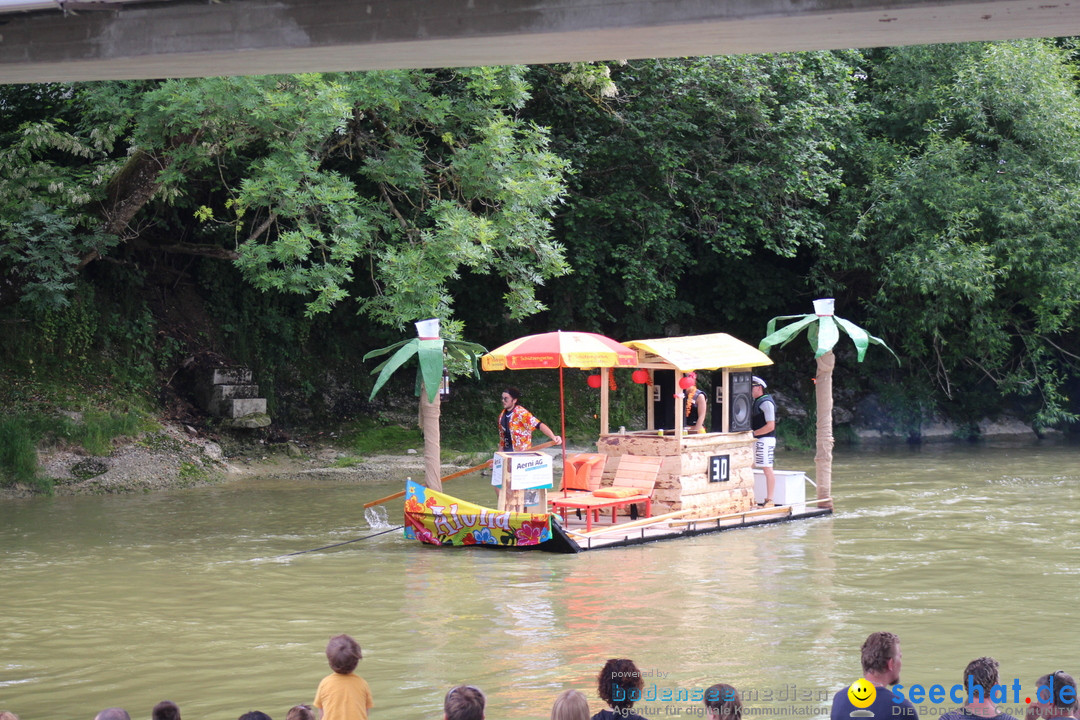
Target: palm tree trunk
pixel 824 397
pixel 429 425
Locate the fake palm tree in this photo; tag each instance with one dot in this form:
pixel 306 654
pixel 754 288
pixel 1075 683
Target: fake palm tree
pixel 429 350
pixel 823 330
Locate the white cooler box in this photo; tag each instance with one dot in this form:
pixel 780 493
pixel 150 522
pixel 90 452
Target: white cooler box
pixel 790 488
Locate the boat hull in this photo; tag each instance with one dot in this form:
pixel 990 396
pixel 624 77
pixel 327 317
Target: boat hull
pixel 441 520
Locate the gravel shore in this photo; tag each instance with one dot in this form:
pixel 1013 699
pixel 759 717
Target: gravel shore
pixel 175 457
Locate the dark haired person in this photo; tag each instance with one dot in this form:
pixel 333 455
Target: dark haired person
pixel 254 715
pixel 516 424
pixel 763 425
pixel 980 675
pixel 343 695
pixel 619 685
pixel 1055 697
pixel 165 710
pixel 464 702
pixel 722 702
pixel 881 659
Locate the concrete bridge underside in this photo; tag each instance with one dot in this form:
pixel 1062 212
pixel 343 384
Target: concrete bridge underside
pixel 115 39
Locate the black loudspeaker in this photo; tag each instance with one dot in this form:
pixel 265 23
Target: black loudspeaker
pixel 741 406
pixel 663 399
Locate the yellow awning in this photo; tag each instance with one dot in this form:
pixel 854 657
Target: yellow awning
pixel 699 352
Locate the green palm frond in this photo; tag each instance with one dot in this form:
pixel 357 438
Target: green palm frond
pixel 405 351
pixel 823 332
pixel 429 355
pixel 383 351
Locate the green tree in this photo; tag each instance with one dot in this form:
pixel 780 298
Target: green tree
pixel 695 171
pixel 380 187
pixel 964 237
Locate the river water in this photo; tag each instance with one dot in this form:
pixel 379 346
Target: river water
pixel 963 551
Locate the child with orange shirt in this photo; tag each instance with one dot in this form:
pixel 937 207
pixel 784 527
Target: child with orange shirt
pixel 343 695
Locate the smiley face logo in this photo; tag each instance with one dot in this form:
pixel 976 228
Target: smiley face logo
pixel 862 693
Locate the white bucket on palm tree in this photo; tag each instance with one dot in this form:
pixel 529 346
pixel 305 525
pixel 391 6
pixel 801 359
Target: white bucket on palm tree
pixel 430 328
pixel 824 307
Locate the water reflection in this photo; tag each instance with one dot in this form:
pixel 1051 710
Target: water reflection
pixel 127 600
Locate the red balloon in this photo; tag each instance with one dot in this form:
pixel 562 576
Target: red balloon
pixel 640 376
pixel 593 380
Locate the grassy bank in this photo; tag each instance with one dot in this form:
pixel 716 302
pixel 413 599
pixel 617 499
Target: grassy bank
pixel 29 427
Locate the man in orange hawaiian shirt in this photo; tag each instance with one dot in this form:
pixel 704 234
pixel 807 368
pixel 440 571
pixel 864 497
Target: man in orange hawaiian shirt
pixel 516 424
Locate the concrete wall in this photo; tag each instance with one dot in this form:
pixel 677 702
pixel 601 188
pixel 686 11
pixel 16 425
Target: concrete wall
pixel 189 38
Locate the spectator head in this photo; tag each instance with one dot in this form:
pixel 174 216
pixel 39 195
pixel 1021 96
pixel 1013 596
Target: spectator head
pixel 5 715
pixel 982 674
pixel 113 713
pixel 1056 693
pixel 570 705
pixel 343 653
pixel 165 710
pixel 881 655
pixel 464 702
pixel 619 683
pixel 722 702
pixel 255 715
pixel 300 712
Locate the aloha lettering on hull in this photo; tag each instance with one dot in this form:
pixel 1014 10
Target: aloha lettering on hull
pixel 439 519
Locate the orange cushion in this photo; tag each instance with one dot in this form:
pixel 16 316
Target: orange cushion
pixel 616 492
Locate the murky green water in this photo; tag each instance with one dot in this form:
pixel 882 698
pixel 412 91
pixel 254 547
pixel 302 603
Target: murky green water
pixel 962 551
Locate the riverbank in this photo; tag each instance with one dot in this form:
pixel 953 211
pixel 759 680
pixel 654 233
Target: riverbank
pixel 175 457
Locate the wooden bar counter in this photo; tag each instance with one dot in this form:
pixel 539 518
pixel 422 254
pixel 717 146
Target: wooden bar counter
pixel 692 476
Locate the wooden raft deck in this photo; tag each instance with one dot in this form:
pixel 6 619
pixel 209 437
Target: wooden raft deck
pixel 675 524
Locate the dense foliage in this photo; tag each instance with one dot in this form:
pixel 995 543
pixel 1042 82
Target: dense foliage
pixel 965 244
pixel 374 186
pixel 294 222
pixel 695 184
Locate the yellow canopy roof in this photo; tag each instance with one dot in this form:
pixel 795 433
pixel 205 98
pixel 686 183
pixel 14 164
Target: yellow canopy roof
pixel 699 352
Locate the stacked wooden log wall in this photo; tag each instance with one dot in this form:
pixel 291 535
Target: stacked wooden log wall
pixel 683 482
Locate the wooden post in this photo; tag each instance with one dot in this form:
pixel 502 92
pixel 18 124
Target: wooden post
pixel 429 425
pixel 725 407
pixel 823 457
pixel 680 410
pixel 650 411
pixel 604 406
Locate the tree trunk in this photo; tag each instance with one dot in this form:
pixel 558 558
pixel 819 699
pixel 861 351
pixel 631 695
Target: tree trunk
pixel 131 188
pixel 824 397
pixel 429 425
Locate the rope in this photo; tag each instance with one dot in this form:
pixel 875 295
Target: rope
pixel 347 542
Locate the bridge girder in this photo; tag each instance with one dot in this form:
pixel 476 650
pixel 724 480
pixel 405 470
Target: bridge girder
pixel 183 38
